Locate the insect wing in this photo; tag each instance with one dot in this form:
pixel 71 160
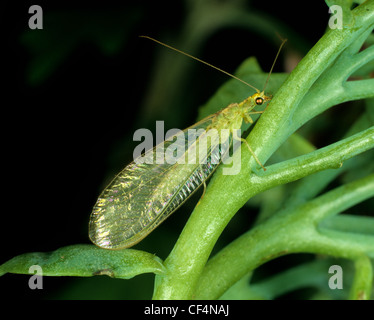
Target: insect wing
pixel 146 192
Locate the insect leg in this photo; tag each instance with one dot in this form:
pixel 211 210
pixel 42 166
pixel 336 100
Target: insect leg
pixel 247 117
pixel 256 112
pixel 235 136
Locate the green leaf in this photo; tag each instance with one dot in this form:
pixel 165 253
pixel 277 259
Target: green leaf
pixel 85 261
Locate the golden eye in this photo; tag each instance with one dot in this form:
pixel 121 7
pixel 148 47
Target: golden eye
pixel 259 101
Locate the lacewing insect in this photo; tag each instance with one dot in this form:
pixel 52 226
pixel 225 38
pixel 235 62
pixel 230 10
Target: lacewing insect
pixel 145 193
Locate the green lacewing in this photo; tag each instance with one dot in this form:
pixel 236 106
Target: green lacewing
pixel 145 193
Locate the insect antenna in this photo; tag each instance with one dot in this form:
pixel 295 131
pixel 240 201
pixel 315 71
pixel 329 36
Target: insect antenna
pixel 275 60
pixel 202 61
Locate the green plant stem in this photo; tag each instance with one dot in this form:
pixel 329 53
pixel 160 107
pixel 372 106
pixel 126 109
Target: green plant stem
pixel 363 280
pixel 310 186
pixel 289 231
pixel 281 283
pixel 331 157
pixel 227 194
pixel 350 223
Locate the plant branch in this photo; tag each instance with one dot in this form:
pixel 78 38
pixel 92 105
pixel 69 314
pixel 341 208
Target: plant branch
pixel 360 89
pixel 289 231
pixel 363 280
pixel 330 157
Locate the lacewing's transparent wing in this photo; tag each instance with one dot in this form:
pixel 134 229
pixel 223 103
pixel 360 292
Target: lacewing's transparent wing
pixel 144 194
